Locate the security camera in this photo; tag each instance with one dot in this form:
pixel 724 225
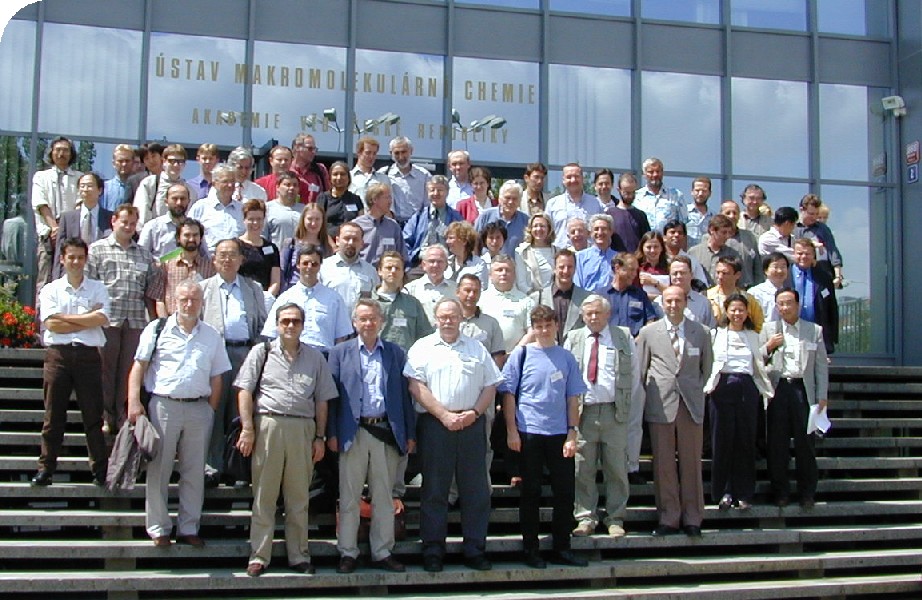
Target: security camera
pixel 895 104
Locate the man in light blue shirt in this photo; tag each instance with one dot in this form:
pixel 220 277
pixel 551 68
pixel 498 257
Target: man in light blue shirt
pixel 593 264
pixel 116 190
pixel 660 203
pixel 327 321
pixel 575 202
pixel 699 214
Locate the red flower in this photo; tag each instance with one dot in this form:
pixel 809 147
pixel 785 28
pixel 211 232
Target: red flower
pixel 29 310
pixel 5 342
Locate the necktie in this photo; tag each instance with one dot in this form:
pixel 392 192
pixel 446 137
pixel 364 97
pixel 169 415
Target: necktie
pixel 86 228
pixel 432 235
pixel 674 336
pixel 59 191
pixel 592 370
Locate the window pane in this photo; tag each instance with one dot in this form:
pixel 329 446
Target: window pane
pixel 769 127
pixel 496 88
pixel 851 135
pixel 307 80
pixel 853 17
pixel 777 14
pixel 17 64
pixel 589 116
pixel 690 104
pixel 856 216
pixel 90 81
pixel 617 8
pixel 696 11
pixel 417 100
pixel 498 3
pixel 195 91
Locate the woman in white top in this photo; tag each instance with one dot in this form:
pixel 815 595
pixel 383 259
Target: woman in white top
pixel 737 380
pixel 461 239
pixel 534 258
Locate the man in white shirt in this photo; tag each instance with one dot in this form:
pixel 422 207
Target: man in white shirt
pixel 697 307
pixel 158 236
pixel 345 272
pixel 180 363
pixel 220 212
pixel 364 174
pixel 507 304
pixel 779 238
pixel 777 269
pixel 408 180
pixel 151 194
pixel 459 186
pixel 453 381
pixel 432 286
pixel 73 311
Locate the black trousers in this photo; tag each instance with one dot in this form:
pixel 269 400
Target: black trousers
pixel 734 420
pixel 73 369
pixel 538 452
pixel 787 419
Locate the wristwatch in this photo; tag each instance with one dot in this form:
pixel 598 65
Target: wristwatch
pixel 573 428
pixel 322 438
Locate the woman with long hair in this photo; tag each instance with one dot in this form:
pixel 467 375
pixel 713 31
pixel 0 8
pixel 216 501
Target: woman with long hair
pixel 311 231
pixel 461 239
pixel 738 379
pixel 653 271
pixel 471 207
pixel 339 204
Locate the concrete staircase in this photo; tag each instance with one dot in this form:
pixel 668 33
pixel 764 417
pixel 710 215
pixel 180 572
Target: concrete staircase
pixel 861 539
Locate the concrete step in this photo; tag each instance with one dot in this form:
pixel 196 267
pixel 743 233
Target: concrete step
pixel 278 577
pixel 63 517
pixel 635 541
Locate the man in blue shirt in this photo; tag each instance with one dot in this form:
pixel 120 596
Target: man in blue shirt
pixel 630 306
pixel 116 190
pixel 593 264
pixel 541 387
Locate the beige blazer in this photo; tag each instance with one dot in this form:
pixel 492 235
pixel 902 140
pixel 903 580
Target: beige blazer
pixel 667 378
pixel 812 356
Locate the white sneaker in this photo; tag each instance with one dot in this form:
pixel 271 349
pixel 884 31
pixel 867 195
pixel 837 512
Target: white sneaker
pixel 584 529
pixel 616 531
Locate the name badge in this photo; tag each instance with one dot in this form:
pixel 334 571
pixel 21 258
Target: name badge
pixel 399 322
pixel 810 346
pixel 313 187
pixel 352 207
pixel 824 293
pixel 693 351
pixel 556 376
pixel 387 242
pixel 267 250
pixel 635 304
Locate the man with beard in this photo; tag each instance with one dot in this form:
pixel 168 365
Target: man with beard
pixel 150 199
pixel 408 181
pixel 629 222
pixel 189 263
pixel 159 236
pixel 533 196
pixel 699 214
pixel 345 272
pixel 660 203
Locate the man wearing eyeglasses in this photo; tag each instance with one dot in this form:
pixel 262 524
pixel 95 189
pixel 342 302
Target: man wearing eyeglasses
pixel 283 393
pixel 311 173
pixel 150 199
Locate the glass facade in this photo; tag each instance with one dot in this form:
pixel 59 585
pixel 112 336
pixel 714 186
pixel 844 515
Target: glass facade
pixel 785 94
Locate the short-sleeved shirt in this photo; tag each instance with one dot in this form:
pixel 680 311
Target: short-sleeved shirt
pixel 287 387
pixel 380 235
pixel 350 280
pixel 221 222
pixel 158 236
pixel 409 190
pixel 562 208
pixel 128 274
pixel 429 293
pixel 184 363
pixel 455 373
pixel 174 271
pixel 548 377
pixel 405 320
pixel 60 298
pixel 326 317
pixel 630 308
pixel 512 310
pixel 667 205
pixel 486 330
pixel 281 221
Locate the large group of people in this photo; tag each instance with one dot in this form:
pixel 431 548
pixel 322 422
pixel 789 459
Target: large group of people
pixel 373 314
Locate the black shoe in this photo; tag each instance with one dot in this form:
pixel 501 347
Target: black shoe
pixel 303 567
pixel 478 563
pixel 42 478
pixel 725 503
pixel 806 502
pixel 664 530
pixel 99 481
pixel 782 501
pixel 212 480
pixel 432 564
pixel 692 531
pixel 389 564
pixel 347 564
pixel 533 559
pixel 635 478
pixel 566 557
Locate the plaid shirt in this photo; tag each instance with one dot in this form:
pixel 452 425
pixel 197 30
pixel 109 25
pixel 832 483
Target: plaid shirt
pixel 127 273
pixel 163 286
